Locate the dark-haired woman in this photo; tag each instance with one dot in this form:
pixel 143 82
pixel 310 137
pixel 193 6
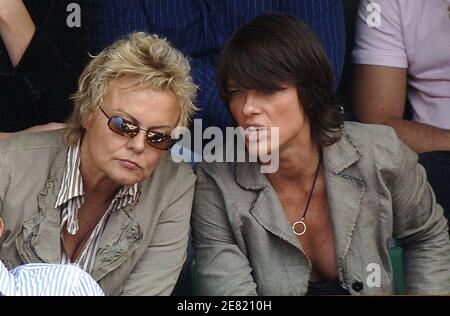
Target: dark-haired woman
pixel 323 221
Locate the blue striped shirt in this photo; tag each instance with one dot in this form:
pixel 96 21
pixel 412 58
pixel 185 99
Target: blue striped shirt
pixel 41 279
pixel 200 28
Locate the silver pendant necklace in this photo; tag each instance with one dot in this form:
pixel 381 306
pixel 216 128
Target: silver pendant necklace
pixel 299 227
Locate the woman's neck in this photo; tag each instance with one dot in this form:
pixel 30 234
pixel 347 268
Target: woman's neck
pixel 298 160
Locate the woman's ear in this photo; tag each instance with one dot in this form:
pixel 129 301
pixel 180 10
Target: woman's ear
pixel 1 227
pixel 87 121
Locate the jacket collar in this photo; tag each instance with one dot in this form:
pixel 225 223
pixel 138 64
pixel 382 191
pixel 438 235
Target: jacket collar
pixel 341 155
pixel 345 189
pixel 337 158
pixel 122 235
pixel 47 244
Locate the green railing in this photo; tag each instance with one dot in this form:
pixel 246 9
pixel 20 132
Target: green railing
pixel 397 264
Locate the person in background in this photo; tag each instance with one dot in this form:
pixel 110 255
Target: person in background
pixel 43 50
pixel 322 222
pixel 104 193
pixel 402 79
pixel 42 279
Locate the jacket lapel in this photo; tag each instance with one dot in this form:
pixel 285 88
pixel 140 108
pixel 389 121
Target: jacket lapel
pixel 40 237
pixel 266 208
pixel 345 190
pixel 120 238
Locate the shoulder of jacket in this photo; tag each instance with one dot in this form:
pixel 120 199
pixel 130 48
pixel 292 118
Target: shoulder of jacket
pixel 371 135
pixel 167 167
pixel 26 141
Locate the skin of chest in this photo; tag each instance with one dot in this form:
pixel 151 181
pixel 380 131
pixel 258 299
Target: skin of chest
pixel 318 241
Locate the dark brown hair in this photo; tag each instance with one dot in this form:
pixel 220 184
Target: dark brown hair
pixel 278 48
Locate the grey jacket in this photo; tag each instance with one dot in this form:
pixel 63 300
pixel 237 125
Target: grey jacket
pixel 376 189
pixel 143 246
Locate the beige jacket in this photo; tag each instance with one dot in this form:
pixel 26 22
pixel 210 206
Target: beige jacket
pixel 376 189
pixel 143 246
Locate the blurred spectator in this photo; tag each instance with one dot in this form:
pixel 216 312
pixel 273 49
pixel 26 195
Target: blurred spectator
pixel 43 49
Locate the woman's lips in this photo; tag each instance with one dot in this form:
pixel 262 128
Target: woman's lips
pixel 129 164
pixel 255 132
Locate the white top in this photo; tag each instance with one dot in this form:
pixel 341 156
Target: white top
pixel 42 279
pixel 412 34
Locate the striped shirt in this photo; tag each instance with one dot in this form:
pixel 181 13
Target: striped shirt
pixel 42 279
pixel 71 198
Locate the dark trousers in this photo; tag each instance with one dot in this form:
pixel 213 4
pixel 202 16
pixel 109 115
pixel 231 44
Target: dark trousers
pixel 437 165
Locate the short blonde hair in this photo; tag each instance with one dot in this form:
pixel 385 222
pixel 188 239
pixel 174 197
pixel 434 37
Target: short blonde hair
pixel 150 61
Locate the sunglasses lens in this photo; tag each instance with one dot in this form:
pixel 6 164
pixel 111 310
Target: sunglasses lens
pixel 160 141
pixel 122 127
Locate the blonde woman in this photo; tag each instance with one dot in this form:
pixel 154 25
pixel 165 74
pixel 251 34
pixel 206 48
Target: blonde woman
pixel 104 193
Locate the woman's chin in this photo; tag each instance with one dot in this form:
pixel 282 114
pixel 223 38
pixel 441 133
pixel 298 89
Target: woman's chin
pixel 257 149
pixel 126 179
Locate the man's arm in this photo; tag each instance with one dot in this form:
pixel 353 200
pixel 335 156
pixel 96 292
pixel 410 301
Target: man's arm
pixel 16 28
pixel 379 96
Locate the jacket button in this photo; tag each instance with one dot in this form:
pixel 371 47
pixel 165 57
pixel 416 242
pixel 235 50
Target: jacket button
pixel 357 286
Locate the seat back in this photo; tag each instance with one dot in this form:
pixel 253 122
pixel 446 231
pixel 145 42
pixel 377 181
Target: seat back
pixel 395 254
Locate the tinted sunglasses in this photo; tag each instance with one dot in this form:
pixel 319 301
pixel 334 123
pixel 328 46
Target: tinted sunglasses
pixel 124 127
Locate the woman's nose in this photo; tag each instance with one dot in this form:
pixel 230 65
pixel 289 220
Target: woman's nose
pixel 138 142
pixel 251 104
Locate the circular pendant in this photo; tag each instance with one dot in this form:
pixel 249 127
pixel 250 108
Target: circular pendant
pixel 303 228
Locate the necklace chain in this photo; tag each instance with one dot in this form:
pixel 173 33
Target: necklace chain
pixel 301 222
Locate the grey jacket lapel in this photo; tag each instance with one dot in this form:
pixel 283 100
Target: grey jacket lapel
pixel 345 189
pixel 40 237
pixel 121 237
pixel 266 208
